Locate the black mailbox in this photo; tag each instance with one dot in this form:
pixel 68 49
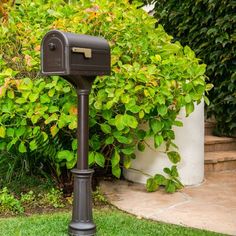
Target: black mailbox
pixel 69 54
pixel 78 59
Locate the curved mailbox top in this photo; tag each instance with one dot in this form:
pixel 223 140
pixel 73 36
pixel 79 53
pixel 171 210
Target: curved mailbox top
pixel 65 53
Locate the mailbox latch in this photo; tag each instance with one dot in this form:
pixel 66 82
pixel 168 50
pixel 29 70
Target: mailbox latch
pixel 86 51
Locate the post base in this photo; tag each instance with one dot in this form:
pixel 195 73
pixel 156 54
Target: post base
pixel 82 219
pixel 79 229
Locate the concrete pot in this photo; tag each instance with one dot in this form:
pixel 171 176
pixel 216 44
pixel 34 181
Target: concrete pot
pixel 189 139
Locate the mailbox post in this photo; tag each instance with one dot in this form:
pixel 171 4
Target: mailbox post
pixel 78 59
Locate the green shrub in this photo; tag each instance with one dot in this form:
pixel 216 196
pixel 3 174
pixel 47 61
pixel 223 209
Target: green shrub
pixel 152 79
pixel 52 199
pixel 8 203
pixel 11 204
pixel 209 27
pixel 28 198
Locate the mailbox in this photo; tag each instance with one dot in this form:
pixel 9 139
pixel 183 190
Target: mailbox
pixel 69 54
pixel 78 59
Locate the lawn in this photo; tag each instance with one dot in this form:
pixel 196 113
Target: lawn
pixel 110 222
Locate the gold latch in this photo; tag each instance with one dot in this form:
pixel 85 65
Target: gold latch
pixel 86 51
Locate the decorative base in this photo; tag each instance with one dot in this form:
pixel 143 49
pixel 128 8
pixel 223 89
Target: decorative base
pixel 78 229
pixel 82 219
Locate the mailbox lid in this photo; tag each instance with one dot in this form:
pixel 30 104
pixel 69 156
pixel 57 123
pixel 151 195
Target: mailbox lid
pixel 98 60
pixel 86 41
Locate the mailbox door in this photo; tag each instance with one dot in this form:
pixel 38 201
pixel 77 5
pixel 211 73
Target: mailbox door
pixel 53 55
pixel 98 63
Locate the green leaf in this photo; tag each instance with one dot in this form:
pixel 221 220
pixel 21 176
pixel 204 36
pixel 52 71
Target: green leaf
pixel 2 131
pixel 125 98
pixel 141 134
pixel 115 159
pixel 161 180
pixel 174 157
pixel 167 171
pixel 105 128
pixel 11 94
pixel 141 114
pixel 209 87
pixel 73 124
pixel 2 146
pixel 33 145
pixel 141 146
pixel 178 123
pixel 10 144
pixel 134 108
pixel 20 131
pixel 152 185
pixel 22 147
pixel 33 97
pixel 189 107
pixel 107 114
pixel 158 140
pixel 109 140
pixel 174 172
pixel 54 130
pixel 35 118
pixel 65 155
pixel 54 13
pixel 10 132
pixel 98 105
pixel 20 100
pixel 170 187
pixel 71 164
pixel 130 121
pixel 45 136
pixel 156 125
pixel 66 89
pixel 162 110
pixel 128 150
pixel 116 171
pixel 99 159
pixel 45 99
pixel 110 104
pixel 53 109
pixel 91 158
pixel 123 139
pixel 188 98
pixel 127 162
pixel 74 144
pixel 119 122
pixel 51 118
pixel 206 100
pixel 62 121
pixel 95 142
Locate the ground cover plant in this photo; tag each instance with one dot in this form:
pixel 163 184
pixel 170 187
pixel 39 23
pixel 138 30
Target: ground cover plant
pixel 209 27
pixel 31 202
pixel 152 79
pixel 110 222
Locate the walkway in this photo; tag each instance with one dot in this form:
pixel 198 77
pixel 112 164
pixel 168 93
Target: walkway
pixel 210 206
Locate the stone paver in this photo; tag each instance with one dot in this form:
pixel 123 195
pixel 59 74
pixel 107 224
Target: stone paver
pixel 210 206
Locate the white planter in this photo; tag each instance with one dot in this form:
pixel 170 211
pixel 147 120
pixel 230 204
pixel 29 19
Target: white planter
pixel 189 139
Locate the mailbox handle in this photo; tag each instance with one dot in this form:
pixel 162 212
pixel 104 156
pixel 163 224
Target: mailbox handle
pixel 86 51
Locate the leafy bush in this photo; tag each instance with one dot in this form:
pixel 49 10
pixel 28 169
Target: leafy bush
pixel 151 80
pixel 28 198
pixel 11 204
pixel 8 203
pixel 209 27
pixel 52 198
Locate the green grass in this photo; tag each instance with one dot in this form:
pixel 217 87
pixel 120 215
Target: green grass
pixel 109 222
